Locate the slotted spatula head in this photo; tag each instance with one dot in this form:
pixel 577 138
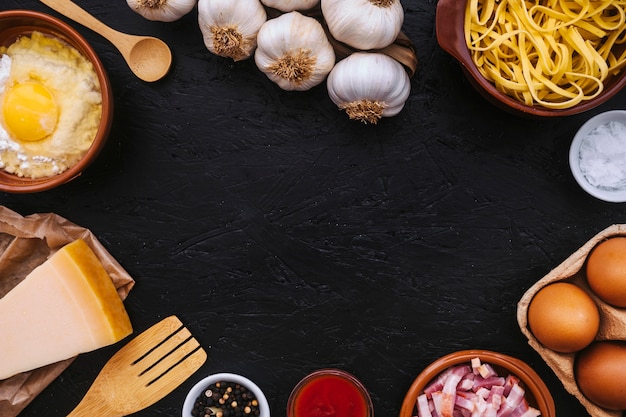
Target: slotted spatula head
pixel 148 368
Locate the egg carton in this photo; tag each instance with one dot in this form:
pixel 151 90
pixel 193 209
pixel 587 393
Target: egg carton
pixel 612 319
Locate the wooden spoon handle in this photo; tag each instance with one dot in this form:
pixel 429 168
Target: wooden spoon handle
pixel 73 11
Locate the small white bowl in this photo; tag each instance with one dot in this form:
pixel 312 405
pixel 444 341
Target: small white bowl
pixel 613 196
pixel 202 385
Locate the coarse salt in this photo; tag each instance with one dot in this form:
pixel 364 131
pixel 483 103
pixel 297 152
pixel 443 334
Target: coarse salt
pixel 602 156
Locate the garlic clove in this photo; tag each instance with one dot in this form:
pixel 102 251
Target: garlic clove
pixel 369 86
pixel 162 10
pixel 230 27
pixel 294 52
pixel 291 5
pixel 364 24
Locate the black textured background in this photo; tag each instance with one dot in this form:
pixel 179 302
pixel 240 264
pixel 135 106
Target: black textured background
pixel 289 238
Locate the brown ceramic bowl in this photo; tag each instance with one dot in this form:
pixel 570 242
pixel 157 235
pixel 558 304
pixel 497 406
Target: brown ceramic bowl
pixel 450 18
pixel 537 394
pixel 14 23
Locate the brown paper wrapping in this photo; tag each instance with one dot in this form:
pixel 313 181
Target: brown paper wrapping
pixel 612 320
pixel 26 242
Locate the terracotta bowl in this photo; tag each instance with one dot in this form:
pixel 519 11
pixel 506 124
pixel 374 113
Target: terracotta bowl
pixel 537 394
pixel 450 18
pixel 14 23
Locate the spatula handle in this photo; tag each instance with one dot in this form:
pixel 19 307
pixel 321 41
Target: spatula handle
pixel 91 406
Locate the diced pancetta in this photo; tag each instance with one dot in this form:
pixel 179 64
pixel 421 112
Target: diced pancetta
pixel 423 408
pixel 467 383
pixel 437 384
pixel 489 382
pixel 474 390
pixel 485 370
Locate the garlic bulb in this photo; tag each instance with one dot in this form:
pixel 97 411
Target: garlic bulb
pixel 162 10
pixel 369 86
pixel 294 52
pixel 291 5
pixel 364 24
pixel 230 27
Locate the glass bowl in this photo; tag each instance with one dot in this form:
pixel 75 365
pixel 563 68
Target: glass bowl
pixel 602 150
pixel 343 392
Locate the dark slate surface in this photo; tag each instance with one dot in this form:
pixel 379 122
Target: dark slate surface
pixel 289 238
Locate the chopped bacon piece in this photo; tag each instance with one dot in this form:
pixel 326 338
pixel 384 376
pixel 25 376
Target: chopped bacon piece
pixel 423 408
pixel 467 383
pixel 485 370
pixel 465 402
pixel 510 380
pixel 489 382
pixel 449 389
pixel 437 384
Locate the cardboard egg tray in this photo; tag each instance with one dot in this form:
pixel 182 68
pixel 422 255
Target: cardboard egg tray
pixel 612 320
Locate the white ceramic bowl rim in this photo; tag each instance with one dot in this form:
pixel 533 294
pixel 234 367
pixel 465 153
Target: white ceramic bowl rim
pixel 617 196
pixel 200 386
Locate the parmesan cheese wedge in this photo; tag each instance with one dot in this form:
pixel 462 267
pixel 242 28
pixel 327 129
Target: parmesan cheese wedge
pixel 66 306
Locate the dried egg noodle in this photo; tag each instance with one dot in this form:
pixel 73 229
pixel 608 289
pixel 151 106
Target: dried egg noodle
pixel 553 53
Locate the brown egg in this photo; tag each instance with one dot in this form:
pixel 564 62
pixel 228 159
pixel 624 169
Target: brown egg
pixel 563 317
pixel 600 372
pixel 606 271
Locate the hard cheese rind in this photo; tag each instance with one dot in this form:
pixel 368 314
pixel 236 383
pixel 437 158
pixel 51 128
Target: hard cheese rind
pixel 66 306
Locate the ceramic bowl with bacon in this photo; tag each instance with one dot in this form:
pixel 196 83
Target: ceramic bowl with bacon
pixel 477 379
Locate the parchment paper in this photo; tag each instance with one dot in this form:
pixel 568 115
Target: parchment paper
pixel 26 242
pixel 612 320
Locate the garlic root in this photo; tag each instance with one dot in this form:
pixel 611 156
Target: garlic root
pixel 294 52
pixel 295 66
pixel 369 86
pixel 230 27
pixel 364 110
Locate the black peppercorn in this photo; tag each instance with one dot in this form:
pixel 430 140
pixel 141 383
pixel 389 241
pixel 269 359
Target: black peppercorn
pixel 226 399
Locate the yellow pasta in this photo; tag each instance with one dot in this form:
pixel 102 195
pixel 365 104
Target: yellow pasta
pixel 550 53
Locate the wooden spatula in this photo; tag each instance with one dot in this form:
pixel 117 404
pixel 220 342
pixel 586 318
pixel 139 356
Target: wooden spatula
pixel 148 368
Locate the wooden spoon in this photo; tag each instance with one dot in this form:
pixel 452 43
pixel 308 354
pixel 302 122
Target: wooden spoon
pixel 149 58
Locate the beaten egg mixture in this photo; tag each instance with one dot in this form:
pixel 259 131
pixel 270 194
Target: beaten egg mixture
pixel 51 106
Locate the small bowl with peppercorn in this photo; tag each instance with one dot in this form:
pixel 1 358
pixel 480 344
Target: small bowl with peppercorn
pixel 598 156
pixel 225 395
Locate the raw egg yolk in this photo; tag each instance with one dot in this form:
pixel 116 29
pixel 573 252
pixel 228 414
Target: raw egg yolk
pixel 29 110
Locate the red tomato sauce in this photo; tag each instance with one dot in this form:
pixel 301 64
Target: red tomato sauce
pixel 330 396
